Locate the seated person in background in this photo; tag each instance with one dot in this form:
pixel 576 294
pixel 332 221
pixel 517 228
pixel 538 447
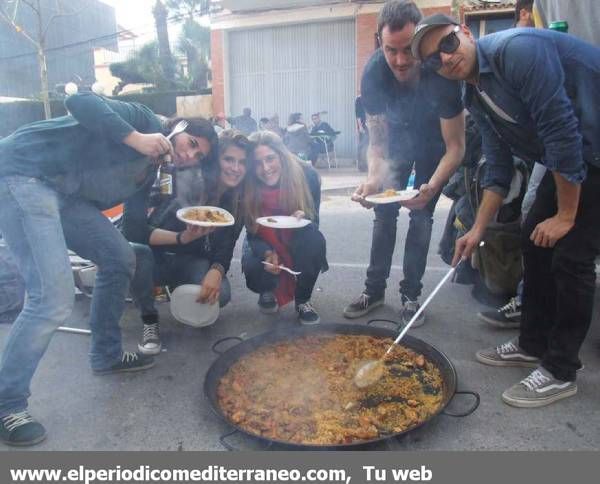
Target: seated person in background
pixel 220 123
pixel 245 123
pixel 327 133
pixel 169 252
pixel 275 127
pixel 281 184
pixel 263 124
pixel 296 136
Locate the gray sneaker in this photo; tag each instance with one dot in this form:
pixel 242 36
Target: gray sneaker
pixel 505 317
pixel 362 305
pixel 409 309
pixel 539 389
pixel 507 354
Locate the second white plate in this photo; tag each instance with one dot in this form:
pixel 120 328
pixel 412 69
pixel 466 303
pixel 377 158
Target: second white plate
pixel 282 222
pixel 401 196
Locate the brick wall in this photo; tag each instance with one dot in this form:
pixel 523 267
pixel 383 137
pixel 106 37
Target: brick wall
pixel 218 74
pixel 366 28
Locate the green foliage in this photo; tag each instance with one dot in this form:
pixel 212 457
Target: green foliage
pixel 142 67
pixel 190 8
pixel 194 43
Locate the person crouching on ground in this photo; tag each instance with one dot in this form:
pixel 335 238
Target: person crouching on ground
pixel 171 253
pixel 281 184
pixel 55 175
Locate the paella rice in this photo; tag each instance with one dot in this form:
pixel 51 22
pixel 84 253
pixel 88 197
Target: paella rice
pixel 302 391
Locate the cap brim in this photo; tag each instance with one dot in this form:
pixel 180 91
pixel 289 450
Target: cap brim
pixel 422 32
pixel 418 37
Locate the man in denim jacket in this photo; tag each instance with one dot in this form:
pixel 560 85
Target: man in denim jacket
pixel 535 94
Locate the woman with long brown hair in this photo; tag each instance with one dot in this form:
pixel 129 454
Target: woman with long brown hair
pixel 281 184
pixel 171 253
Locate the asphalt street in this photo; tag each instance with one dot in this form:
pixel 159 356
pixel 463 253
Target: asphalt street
pixel 165 409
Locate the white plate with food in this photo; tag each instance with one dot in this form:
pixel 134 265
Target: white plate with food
pixel 205 216
pixel 392 196
pixel 283 222
pixel 187 310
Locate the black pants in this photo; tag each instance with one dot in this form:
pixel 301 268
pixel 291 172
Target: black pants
pixel 308 251
pixel 559 283
pixel 418 236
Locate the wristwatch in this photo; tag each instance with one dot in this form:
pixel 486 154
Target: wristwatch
pixel 218 267
pixel 178 238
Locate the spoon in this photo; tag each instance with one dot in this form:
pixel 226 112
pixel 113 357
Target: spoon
pixel 372 371
pixel 282 267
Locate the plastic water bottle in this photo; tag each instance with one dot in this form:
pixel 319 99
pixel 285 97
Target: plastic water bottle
pixel 411 181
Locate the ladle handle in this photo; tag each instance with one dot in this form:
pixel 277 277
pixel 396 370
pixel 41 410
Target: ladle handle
pixel 422 308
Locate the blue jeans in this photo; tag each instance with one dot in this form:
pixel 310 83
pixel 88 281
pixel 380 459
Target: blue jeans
pixel 418 236
pixel 167 269
pixel 308 249
pixel 38 233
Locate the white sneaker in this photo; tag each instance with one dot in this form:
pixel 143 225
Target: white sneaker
pixel 151 344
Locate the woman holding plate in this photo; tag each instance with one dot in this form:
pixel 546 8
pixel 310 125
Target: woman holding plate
pixel 171 252
pixel 280 185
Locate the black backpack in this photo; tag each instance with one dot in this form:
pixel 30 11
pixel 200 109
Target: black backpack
pixel 496 267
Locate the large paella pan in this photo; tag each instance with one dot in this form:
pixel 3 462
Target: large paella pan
pixel 294 386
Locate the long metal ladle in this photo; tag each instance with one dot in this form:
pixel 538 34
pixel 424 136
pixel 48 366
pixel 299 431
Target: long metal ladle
pixel 372 371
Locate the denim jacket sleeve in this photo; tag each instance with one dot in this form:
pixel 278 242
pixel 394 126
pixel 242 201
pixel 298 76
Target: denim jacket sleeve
pixel 113 119
pixel 532 66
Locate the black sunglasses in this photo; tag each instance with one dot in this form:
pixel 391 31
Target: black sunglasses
pixel 448 45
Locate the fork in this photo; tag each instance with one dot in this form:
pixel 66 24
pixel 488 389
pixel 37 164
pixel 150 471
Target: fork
pixel 178 128
pixel 283 268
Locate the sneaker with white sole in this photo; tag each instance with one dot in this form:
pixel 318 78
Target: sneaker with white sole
pixel 151 344
pixel 539 389
pixel 267 303
pixel 506 317
pixel 129 362
pixel 507 354
pixel 409 309
pixel 363 304
pixel 307 315
pixel 21 430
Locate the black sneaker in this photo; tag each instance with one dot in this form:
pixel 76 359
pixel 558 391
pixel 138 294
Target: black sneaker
pixel 507 316
pixel 307 314
pixel 268 303
pixel 19 429
pixel 151 344
pixel 362 305
pixel 129 362
pixel 409 309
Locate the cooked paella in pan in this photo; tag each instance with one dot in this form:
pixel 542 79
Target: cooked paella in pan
pixel 301 390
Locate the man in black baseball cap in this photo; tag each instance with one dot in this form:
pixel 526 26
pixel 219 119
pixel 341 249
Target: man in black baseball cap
pixel 534 93
pixel 427 25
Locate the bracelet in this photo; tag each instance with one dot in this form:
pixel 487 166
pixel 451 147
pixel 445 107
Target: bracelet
pixel 178 238
pixel 218 267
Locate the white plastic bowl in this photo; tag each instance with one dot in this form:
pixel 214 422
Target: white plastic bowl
pixel 186 310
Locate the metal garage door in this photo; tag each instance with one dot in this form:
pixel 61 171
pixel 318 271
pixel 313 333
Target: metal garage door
pixel 296 68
